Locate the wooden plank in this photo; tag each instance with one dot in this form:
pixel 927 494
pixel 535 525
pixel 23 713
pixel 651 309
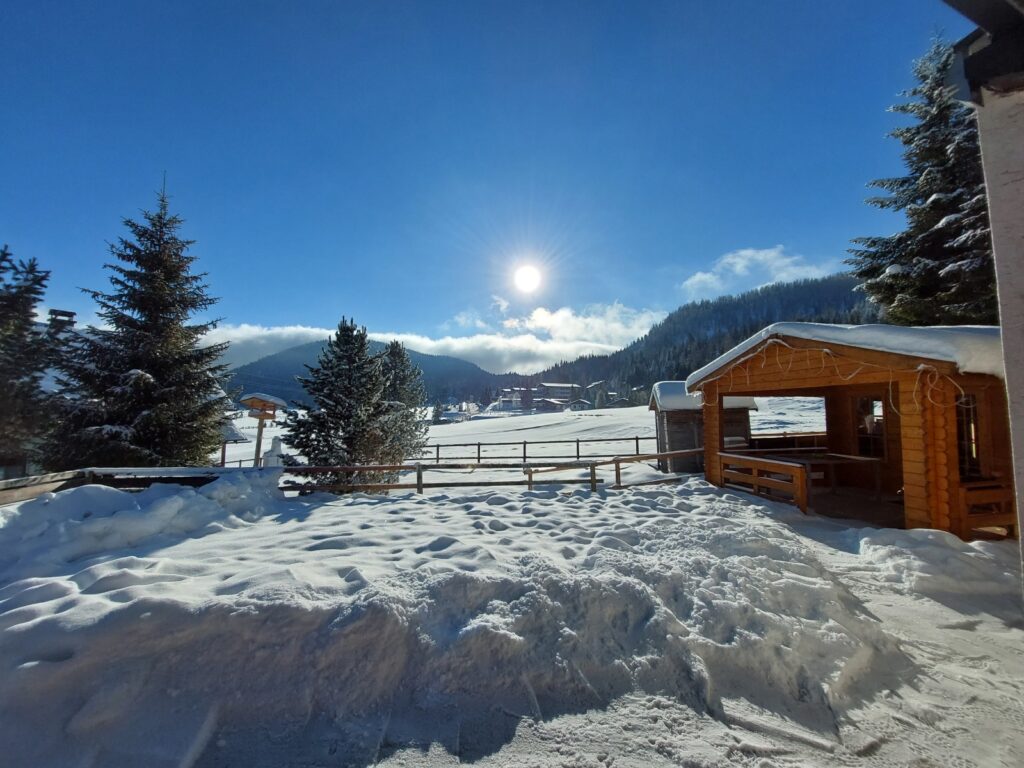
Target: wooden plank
pixel 52 477
pixel 767 482
pixel 27 492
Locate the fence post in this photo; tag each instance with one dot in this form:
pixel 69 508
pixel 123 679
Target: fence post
pixel 478 453
pixel 593 477
pixel 529 478
pixel 524 450
pixel 638 445
pixel 437 455
pixel 618 474
pixel 577 449
pixel 419 477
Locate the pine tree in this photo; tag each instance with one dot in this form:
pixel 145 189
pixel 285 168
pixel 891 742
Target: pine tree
pixel 438 413
pixel 25 352
pixel 404 428
pixel 142 390
pixel 939 269
pixel 345 426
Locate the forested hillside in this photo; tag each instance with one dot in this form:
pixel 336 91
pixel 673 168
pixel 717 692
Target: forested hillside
pixel 698 332
pixel 443 376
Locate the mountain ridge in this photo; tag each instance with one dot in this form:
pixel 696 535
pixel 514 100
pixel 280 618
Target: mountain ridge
pixel 686 339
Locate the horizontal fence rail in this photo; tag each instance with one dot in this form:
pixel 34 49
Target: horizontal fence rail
pixel 434 451
pixel 136 478
pixel 766 477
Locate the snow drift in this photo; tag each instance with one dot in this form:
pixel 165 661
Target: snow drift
pixel 229 624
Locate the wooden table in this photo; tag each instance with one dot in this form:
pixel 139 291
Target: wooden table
pixel 829 461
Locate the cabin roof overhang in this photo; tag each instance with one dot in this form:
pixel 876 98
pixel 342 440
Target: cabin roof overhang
pixel 947 350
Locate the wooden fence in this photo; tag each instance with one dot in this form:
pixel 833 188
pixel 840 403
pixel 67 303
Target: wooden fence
pixel 137 478
pixel 433 452
pixel 766 477
pixel 481 452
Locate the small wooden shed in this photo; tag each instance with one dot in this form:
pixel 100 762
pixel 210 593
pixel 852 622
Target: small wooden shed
pixel 679 420
pixel 916 423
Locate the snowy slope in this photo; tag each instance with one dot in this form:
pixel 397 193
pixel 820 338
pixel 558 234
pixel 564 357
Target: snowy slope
pixel 681 625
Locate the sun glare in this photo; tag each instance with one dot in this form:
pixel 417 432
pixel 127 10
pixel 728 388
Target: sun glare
pixel 527 278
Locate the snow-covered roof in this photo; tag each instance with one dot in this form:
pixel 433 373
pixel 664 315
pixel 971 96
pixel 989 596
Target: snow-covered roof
pixel 972 348
pixel 229 433
pixel 548 384
pixel 263 396
pixel 671 396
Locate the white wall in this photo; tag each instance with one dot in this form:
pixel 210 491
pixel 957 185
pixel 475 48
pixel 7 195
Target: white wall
pixel 1001 124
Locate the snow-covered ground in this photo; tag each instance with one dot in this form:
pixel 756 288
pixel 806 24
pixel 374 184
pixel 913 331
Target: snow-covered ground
pixel 674 625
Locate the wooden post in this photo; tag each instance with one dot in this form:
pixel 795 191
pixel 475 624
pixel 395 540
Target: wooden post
pixel 637 445
pixel 223 453
pixel 529 478
pixel 259 444
pixel 524 450
pixel 437 455
pixel 618 474
pixel 577 449
pixel 478 453
pixel 419 477
pixel 593 477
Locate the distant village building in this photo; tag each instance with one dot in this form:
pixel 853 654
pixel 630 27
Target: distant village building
pixel 580 405
pixel 679 421
pixel 564 392
pixel 917 431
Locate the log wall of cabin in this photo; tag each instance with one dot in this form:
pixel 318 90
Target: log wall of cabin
pixel 712 433
pixel 919 409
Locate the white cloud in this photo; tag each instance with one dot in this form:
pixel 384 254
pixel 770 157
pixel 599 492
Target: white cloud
pixel 525 344
pixel 467 318
pixel 749 268
pixel 523 353
pixel 251 342
pixel 540 339
pixel 500 304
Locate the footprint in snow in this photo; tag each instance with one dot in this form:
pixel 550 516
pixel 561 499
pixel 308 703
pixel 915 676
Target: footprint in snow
pixel 439 544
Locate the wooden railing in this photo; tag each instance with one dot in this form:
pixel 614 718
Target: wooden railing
pixel 433 451
pixel 142 477
pixel 528 469
pixel 766 477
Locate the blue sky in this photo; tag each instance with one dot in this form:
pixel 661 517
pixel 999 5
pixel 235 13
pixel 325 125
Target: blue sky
pixel 394 162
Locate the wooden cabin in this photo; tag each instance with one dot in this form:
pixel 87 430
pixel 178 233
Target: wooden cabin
pixel 679 421
pixel 917 431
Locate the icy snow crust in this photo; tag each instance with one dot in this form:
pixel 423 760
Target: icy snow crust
pixel 231 625
pixel 974 348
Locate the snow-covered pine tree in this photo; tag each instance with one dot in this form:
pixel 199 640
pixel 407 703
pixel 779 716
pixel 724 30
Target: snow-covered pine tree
pixel 404 427
pixel 939 269
pixel 438 413
pixel 345 426
pixel 25 354
pixel 142 390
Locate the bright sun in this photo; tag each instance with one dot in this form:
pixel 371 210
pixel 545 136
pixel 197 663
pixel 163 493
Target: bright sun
pixel 527 278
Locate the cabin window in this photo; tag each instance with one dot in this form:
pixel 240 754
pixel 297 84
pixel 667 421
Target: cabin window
pixel 870 427
pixel 967 437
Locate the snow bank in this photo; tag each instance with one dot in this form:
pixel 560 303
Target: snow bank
pixel 94 519
pixel 930 562
pixel 974 348
pixel 228 624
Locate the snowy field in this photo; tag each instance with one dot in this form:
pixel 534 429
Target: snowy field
pixel 774 414
pixel 661 626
